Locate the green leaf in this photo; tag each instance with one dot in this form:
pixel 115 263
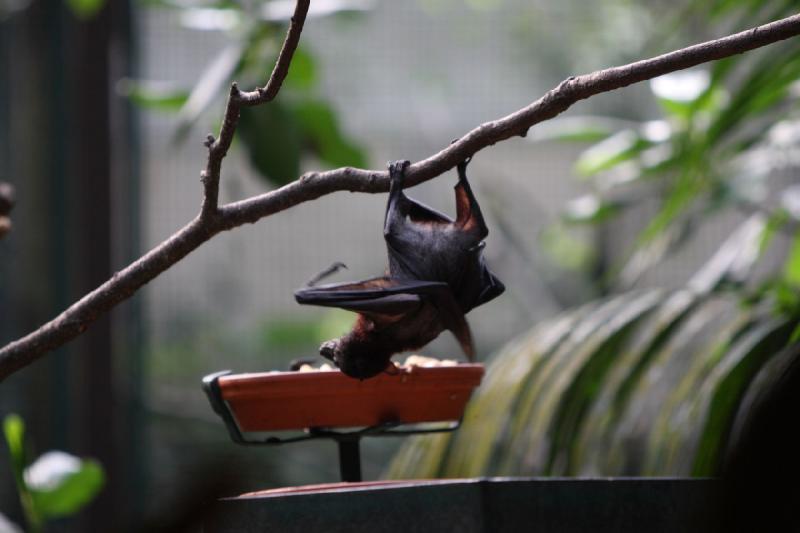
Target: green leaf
pixel 734 259
pixel 618 148
pixel 69 492
pixel 795 336
pixel 272 138
pixel 14 430
pixel 323 136
pixel 590 366
pixel 154 95
pixel 775 222
pixel 302 72
pixel 791 268
pixel 679 92
pixel 85 9
pixel 685 190
pixel 589 209
pixel 730 380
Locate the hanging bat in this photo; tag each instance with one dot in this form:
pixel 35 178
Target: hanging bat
pixel 436 275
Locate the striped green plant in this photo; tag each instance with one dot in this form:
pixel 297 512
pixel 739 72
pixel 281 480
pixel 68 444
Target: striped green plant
pixel 649 382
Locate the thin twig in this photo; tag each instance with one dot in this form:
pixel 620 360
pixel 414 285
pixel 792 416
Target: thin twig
pixel 213 219
pixel 218 149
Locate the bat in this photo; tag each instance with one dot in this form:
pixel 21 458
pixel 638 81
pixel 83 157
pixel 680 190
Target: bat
pixel 436 275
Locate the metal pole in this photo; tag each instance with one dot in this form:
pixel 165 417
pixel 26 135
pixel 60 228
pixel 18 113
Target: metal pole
pixel 349 459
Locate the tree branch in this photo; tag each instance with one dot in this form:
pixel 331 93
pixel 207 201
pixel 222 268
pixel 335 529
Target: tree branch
pixel 214 219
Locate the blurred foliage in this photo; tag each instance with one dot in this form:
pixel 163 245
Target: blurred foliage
pixel 656 382
pixel 727 130
pixel 648 382
pixel 53 486
pixel 276 136
pixel 85 9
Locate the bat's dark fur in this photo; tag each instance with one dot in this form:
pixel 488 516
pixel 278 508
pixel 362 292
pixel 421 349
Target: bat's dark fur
pixel 436 275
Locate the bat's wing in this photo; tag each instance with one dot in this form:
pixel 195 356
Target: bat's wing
pixel 386 300
pixel 419 212
pixel 378 298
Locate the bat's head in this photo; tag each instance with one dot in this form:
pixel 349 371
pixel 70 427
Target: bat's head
pixel 355 359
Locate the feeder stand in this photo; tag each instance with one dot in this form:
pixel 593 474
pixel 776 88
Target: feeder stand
pixel 348 441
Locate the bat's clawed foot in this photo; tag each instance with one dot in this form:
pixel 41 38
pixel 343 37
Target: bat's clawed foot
pixel 462 167
pixel 397 170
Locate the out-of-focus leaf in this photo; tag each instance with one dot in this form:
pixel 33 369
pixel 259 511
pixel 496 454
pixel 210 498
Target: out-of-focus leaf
pixel 320 128
pixel 733 260
pixel 662 330
pixel 766 84
pixel 517 364
pixel 302 72
pixel 790 200
pixel 795 337
pixel 14 431
pixel 791 269
pixel 685 190
pixel 787 297
pixel 211 83
pixel 593 366
pixel 85 9
pixel 729 381
pixel 577 129
pixel 282 10
pixel 566 249
pixel 542 402
pixel 589 209
pixel 668 402
pixel 681 86
pixel 678 92
pixel 61 484
pixel 272 138
pixel 616 149
pixel 648 254
pixel 154 95
pixel 210 18
pixel 777 220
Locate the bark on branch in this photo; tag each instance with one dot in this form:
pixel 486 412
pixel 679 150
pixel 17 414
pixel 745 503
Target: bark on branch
pixel 213 218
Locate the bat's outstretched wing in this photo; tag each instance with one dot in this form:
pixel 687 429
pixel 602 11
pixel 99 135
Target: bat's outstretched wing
pixel 385 300
pixel 372 297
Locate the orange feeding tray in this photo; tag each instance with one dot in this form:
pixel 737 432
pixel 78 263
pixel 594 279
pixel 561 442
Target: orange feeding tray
pixel 276 401
pixel 322 402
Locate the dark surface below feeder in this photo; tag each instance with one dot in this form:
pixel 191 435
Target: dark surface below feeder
pixel 478 505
